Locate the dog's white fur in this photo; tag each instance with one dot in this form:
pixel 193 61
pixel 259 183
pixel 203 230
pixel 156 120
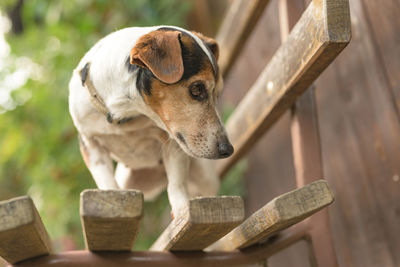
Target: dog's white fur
pixel 146 133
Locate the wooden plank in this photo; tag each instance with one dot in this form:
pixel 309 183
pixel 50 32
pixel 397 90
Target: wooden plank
pixel 320 35
pixel 205 220
pixel 384 22
pixel 278 214
pixel 237 26
pixel 360 134
pixel 111 218
pixel 22 233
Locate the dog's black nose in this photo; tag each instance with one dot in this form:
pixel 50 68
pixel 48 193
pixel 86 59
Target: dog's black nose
pixel 225 150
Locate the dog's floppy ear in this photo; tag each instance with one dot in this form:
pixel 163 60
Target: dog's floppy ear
pixel 161 53
pixel 210 42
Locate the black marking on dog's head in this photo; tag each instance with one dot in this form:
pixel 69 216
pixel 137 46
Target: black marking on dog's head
pixel 84 72
pixel 131 67
pixel 143 77
pixel 143 80
pixel 194 60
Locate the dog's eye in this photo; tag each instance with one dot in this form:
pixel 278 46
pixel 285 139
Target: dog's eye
pixel 198 91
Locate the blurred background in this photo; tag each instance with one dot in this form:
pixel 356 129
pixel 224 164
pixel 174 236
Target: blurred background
pixel 357 97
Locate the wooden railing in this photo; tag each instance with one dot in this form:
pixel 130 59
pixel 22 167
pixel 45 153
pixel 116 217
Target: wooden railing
pixel 111 219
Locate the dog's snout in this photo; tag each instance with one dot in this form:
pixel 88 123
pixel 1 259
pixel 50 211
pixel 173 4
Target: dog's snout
pixel 225 149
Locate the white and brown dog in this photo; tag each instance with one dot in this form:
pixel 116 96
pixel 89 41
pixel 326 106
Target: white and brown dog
pixel 146 98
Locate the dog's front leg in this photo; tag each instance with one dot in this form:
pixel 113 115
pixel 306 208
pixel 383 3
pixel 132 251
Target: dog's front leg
pixel 98 162
pixel 176 164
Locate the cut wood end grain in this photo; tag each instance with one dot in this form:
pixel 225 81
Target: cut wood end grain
pixel 111 203
pixel 277 215
pixel 303 201
pixel 16 212
pixel 111 218
pixel 203 221
pixel 222 209
pixel 22 233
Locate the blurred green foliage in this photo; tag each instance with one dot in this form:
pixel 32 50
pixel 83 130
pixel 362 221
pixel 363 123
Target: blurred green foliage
pixel 39 152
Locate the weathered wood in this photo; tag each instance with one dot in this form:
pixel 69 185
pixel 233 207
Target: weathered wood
pixel 251 257
pixel 204 220
pixel 320 35
pixel 307 152
pixel 384 23
pixel 238 23
pixel 305 139
pixel 378 29
pixel 360 133
pixel 111 218
pixel 278 214
pixel 22 233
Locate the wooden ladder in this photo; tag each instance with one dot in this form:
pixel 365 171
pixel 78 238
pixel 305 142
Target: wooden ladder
pixel 211 231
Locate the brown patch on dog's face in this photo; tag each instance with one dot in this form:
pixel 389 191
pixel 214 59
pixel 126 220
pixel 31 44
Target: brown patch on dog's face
pixel 188 107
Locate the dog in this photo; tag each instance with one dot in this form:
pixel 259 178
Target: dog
pixel 145 97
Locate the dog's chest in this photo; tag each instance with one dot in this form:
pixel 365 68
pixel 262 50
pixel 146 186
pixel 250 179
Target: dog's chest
pixel 136 149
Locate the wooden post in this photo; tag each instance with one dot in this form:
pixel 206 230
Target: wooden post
pixel 22 233
pixel 277 215
pixel 204 221
pixel 307 148
pixel 111 218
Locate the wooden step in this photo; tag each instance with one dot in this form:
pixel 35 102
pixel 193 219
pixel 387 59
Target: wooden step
pixel 22 233
pixel 277 215
pixel 204 220
pixel 111 218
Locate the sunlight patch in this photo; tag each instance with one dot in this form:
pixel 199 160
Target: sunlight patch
pixel 14 72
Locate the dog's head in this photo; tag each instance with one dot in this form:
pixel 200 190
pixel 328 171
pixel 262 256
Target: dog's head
pixel 178 79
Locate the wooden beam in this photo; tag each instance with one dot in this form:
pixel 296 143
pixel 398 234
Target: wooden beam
pixel 204 221
pixel 111 218
pixel 22 233
pixel 321 34
pixel 250 257
pixel 277 215
pixel 237 26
